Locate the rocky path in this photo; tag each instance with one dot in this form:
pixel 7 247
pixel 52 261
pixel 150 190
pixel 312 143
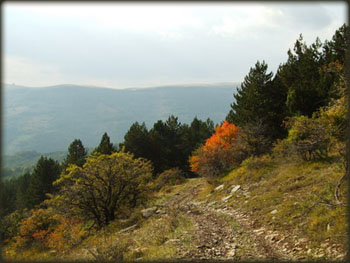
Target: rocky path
pixel 222 233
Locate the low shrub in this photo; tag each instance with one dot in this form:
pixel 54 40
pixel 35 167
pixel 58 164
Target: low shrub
pixel 170 177
pixel 44 229
pixel 309 138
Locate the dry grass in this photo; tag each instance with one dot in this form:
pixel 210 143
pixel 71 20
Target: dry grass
pixel 301 192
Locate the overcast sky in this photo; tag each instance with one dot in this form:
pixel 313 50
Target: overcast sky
pixel 121 45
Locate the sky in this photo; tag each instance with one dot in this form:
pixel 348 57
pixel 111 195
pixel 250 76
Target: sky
pixel 130 45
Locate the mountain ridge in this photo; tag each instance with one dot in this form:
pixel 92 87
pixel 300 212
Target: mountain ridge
pixel 48 119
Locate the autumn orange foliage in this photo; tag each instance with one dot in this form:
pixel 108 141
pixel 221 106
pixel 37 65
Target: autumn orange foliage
pixel 48 230
pixel 225 135
pixel 216 154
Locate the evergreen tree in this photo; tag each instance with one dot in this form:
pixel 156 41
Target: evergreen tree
pixel 335 49
pixel 160 147
pixel 194 136
pixel 76 154
pixel 168 144
pixel 45 173
pixel 250 103
pixel 7 196
pixel 137 141
pixel 22 195
pixel 175 156
pixel 301 76
pixel 105 146
pixel 260 102
pixel 199 132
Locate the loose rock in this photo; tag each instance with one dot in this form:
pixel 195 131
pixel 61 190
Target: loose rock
pixel 220 187
pixel 148 211
pixel 226 198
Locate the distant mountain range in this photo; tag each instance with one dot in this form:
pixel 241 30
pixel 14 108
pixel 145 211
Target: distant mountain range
pixel 48 119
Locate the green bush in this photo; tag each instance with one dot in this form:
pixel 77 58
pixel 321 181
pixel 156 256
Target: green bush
pixel 309 138
pixel 282 148
pixel 172 176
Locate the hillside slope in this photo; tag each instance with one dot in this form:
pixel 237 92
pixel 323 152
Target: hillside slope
pixel 49 119
pixel 265 209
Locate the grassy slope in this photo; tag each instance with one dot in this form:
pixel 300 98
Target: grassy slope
pixel 302 193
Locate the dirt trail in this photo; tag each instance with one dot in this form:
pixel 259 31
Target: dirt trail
pixel 222 233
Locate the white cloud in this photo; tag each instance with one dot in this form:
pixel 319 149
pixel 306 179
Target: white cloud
pixel 248 21
pixel 123 16
pixel 123 44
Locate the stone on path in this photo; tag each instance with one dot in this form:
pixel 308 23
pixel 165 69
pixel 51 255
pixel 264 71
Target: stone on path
pixel 235 188
pixel 148 211
pixel 220 187
pixel 226 197
pixel 127 229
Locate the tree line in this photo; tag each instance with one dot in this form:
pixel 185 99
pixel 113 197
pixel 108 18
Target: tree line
pixel 167 145
pixel 308 81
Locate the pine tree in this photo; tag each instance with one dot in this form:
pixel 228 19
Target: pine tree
pixel 250 102
pixel 22 195
pixel 260 101
pixel 137 141
pixel 301 77
pixel 335 49
pixel 45 173
pixel 105 146
pixel 76 154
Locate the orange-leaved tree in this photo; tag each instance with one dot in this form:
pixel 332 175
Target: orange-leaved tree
pixel 217 154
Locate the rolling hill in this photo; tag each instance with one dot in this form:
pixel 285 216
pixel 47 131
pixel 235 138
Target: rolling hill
pixel 48 119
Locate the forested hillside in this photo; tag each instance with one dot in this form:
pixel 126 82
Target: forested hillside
pixel 268 182
pixel 48 119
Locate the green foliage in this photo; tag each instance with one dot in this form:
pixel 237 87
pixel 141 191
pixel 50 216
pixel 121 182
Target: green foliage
pixel 309 85
pixel 76 154
pixel 310 138
pixel 168 144
pixel 7 196
pixel 335 49
pixel 253 140
pixel 108 250
pixel 29 190
pixel 105 188
pixel 105 146
pixel 19 192
pixel 170 177
pixel 9 225
pixel 335 113
pixel 300 75
pixel 246 99
pixel 137 141
pixel 23 198
pixel 199 131
pixel 45 173
pixel 261 98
